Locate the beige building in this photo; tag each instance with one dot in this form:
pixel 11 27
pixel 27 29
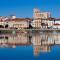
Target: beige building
pixel 39 18
pixel 15 23
pixel 18 23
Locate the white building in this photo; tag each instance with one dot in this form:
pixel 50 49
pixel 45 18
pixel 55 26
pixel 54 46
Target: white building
pixel 50 23
pixel 56 26
pixel 54 23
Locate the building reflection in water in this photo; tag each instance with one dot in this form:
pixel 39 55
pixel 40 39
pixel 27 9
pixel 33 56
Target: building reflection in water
pixel 41 42
pixel 9 40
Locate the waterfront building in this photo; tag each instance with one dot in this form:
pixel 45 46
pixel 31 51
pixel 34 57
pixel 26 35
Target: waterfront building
pixel 56 24
pixel 18 23
pixel 39 19
pixel 36 23
pixel 50 23
pixel 13 22
pixel 2 21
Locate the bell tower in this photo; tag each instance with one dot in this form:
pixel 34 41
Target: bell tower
pixel 36 18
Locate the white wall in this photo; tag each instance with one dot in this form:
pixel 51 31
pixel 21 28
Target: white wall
pixel 57 22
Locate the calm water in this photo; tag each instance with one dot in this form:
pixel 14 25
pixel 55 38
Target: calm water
pixel 37 46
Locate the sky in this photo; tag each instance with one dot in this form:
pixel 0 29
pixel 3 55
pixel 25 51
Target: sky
pixel 24 8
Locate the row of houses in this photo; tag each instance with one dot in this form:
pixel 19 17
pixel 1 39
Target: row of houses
pixel 13 22
pixel 39 20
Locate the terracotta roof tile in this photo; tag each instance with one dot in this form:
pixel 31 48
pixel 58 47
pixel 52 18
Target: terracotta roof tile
pixel 56 24
pixel 19 19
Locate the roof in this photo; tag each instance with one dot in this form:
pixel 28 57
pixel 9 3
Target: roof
pixel 19 19
pixel 45 18
pixel 57 24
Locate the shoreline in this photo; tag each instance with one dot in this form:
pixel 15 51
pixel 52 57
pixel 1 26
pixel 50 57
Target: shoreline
pixel 28 30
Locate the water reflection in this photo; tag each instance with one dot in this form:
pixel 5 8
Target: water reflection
pixel 41 42
pixel 9 40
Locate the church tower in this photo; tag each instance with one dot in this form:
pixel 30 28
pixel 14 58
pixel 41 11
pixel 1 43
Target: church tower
pixel 36 18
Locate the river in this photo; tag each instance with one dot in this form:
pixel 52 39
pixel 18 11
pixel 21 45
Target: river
pixel 33 46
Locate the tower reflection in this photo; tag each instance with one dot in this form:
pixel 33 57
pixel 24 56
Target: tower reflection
pixel 40 43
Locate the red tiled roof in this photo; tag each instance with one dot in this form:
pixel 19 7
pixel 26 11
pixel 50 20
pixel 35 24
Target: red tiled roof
pixel 19 19
pixel 56 24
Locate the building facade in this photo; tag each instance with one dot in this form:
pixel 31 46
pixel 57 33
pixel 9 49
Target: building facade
pixel 14 22
pixel 39 19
